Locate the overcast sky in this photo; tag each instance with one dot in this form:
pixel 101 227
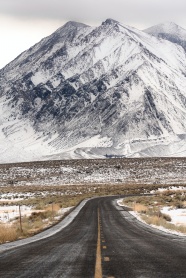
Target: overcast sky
pixel 25 22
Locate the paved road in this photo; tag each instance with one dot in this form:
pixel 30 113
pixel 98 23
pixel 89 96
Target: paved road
pixel 128 249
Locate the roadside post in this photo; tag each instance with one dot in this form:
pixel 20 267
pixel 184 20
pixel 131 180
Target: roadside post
pixel 20 221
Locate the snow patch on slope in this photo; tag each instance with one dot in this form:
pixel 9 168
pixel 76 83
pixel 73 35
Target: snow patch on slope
pixel 39 78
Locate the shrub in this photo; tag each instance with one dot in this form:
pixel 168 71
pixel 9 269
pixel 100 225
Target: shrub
pixel 166 217
pixel 179 205
pixel 41 215
pixel 8 233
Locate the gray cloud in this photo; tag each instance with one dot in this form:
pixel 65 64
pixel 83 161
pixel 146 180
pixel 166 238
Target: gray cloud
pixel 131 12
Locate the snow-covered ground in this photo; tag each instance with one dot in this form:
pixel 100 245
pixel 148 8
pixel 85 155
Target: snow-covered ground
pixel 9 213
pixel 179 218
pixel 49 232
pixel 170 188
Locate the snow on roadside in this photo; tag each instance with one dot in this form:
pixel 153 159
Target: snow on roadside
pixel 171 188
pixel 137 215
pixel 178 216
pixel 62 211
pixel 47 233
pixel 9 213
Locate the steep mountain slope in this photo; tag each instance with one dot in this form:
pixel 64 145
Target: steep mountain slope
pixel 92 92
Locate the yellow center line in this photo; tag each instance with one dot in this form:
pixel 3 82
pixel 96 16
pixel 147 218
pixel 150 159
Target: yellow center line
pixel 98 267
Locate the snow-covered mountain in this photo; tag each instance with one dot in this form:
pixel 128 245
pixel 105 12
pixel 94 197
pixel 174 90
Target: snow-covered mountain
pixel 169 31
pixel 87 92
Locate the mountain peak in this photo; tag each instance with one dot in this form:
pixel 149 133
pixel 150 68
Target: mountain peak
pixel 68 27
pixel 169 24
pixel 110 21
pixel 169 31
pixel 74 24
pixel 167 28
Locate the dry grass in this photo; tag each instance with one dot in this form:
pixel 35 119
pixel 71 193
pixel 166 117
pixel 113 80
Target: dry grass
pixel 139 208
pixel 150 208
pixel 155 220
pixel 159 221
pixel 35 223
pixel 31 225
pixel 8 233
pixel 53 207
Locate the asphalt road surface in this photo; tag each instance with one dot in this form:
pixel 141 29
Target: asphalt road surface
pixel 103 240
